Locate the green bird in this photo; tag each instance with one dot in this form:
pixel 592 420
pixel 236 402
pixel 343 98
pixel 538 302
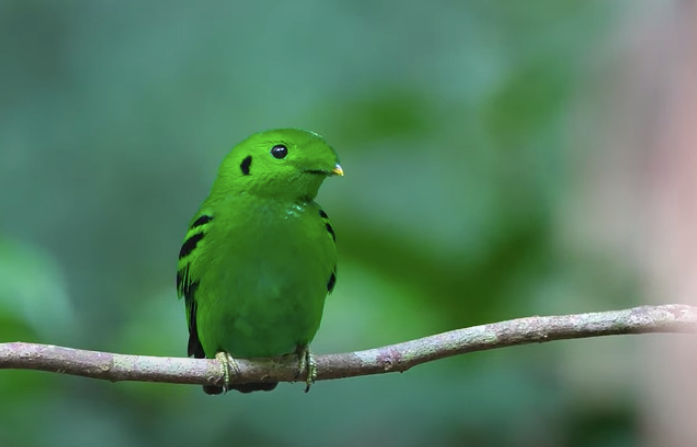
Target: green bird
pixel 259 257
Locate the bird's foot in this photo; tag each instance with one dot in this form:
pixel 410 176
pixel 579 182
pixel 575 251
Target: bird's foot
pixel 228 363
pixel 306 364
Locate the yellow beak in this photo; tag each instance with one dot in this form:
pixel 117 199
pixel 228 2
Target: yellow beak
pixel 338 171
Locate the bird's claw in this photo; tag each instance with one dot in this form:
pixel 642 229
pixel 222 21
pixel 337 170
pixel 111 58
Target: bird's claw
pixel 306 364
pixel 228 362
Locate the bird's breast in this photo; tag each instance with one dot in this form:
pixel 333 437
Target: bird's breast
pixel 272 249
pixel 272 266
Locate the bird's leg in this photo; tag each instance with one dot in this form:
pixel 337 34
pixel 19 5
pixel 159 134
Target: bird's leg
pixel 228 362
pixel 306 363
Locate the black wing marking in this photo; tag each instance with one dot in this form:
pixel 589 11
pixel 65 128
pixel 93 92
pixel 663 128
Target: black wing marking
pixel 330 229
pixel 328 225
pixel 332 281
pixel 189 245
pixel 186 287
pixel 203 220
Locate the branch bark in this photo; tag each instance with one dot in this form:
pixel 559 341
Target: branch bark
pixel 400 357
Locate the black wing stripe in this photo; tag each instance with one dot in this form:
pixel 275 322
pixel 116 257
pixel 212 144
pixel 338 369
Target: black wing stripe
pixel 327 223
pixel 331 230
pixel 179 280
pixel 188 288
pixel 332 282
pixel 194 347
pixel 203 220
pixel 189 245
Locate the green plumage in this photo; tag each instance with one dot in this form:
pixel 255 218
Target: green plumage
pixel 259 257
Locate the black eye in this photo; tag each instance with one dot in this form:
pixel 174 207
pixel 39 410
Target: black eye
pixel 279 151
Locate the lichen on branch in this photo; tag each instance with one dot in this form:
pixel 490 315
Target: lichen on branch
pixel 672 318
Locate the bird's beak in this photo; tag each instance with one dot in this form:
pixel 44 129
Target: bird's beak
pixel 338 171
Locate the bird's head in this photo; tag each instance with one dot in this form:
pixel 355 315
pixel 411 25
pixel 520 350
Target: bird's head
pixel 280 163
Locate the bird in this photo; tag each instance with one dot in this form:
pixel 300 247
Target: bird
pixel 259 257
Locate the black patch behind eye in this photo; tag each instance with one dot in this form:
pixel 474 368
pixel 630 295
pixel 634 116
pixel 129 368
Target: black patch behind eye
pixel 331 231
pixel 201 221
pixel 246 163
pixel 189 245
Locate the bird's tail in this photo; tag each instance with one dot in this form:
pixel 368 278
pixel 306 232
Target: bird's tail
pixel 242 388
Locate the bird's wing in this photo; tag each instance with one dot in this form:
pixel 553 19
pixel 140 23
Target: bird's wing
pixel 186 284
pixel 331 282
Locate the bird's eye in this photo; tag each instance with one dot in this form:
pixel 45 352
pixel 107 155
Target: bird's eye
pixel 279 151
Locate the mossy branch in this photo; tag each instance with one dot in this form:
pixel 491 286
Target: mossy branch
pixel 399 357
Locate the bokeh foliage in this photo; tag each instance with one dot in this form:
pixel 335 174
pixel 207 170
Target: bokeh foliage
pixel 452 121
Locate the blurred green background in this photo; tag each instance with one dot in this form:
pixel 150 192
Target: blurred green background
pixel 453 120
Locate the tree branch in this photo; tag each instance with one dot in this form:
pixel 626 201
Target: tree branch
pixel 399 357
